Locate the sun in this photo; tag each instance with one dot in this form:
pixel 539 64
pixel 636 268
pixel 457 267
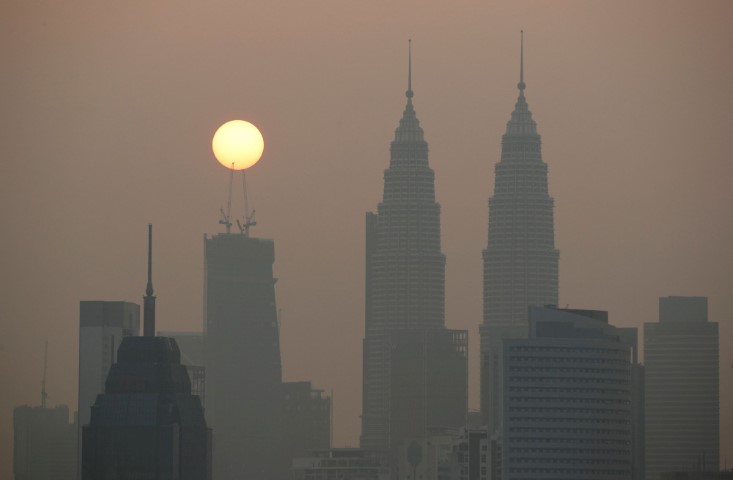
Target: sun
pixel 237 144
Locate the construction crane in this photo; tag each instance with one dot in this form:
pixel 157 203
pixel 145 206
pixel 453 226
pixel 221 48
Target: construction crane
pixel 226 216
pixel 249 218
pixel 44 395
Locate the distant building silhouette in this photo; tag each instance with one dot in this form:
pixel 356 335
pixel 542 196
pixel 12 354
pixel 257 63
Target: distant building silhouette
pixel 243 370
pixel 429 383
pixel 102 326
pixel 44 444
pixel 682 391
pixel 405 281
pixel 568 389
pixel 520 259
pixel 306 419
pixel 147 424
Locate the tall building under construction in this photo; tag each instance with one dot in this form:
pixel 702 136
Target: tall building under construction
pixel 243 370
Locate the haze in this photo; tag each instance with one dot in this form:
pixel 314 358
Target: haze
pixel 108 108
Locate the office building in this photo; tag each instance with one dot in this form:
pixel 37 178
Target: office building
pixel 682 392
pixel 520 260
pixel 405 273
pixel 44 444
pixel 147 424
pixel 243 370
pixel 568 399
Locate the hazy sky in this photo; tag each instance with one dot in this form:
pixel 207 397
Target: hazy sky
pixel 107 111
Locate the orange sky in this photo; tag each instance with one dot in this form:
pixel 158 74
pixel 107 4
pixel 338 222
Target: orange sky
pixel 107 110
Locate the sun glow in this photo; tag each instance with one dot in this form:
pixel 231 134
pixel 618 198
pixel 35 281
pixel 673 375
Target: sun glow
pixel 237 144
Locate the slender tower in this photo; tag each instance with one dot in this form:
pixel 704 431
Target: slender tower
pixel 405 269
pixel 520 260
pixel 149 299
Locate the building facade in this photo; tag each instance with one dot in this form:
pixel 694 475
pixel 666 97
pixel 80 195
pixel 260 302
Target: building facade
pixel 520 261
pixel 243 370
pixel 405 271
pixel 568 399
pixel 44 444
pixel 682 391
pixel 147 424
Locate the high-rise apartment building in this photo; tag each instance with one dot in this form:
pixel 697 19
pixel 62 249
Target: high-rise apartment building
pixel 520 259
pixel 405 271
pixel 568 401
pixel 682 391
pixel 243 370
pixel 44 444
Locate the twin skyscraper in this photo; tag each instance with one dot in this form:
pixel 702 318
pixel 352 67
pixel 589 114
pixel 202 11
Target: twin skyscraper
pixel 405 284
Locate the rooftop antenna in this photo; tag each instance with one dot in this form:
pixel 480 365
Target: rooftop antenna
pixel 521 85
pixel 44 395
pixel 226 217
pixel 249 218
pixel 149 299
pixel 409 93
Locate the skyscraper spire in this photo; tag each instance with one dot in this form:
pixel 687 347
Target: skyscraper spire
pixel 409 93
pixel 149 299
pixel 521 85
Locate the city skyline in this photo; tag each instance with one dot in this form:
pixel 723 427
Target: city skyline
pixel 634 107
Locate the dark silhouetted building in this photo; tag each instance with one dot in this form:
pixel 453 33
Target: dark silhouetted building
pixel 306 419
pixel 243 371
pixel 102 326
pixel 44 444
pixel 568 399
pixel 405 276
pixel 682 392
pixel 147 424
pixel 520 259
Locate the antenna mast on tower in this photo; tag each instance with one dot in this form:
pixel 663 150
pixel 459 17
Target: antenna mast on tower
pixel 44 395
